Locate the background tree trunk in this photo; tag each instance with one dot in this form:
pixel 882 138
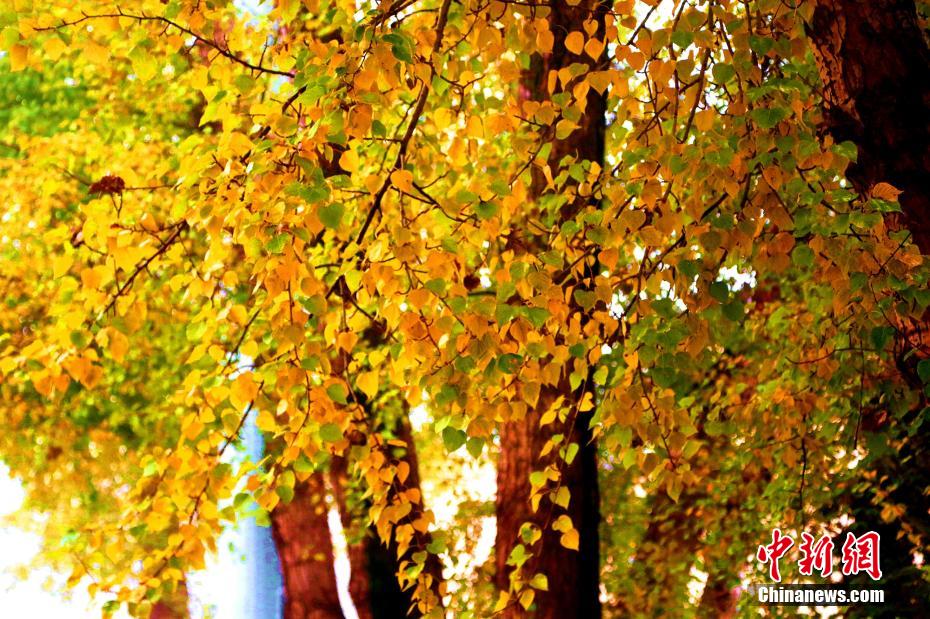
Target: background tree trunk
pixel 302 536
pixel 718 599
pixel 573 576
pixel 373 585
pixel 875 67
pixel 173 606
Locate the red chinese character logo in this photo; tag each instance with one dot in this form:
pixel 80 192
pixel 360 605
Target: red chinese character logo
pixel 816 556
pixel 861 554
pixel 773 552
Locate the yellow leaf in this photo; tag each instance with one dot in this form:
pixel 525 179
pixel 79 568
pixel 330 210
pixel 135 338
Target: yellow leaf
pixel 526 598
pixel 346 340
pixel 265 421
pixel 502 602
pixel 243 391
pixel 368 383
pixel 349 161
pixel 119 345
pixel 540 581
pixel 60 265
pixel 97 54
pixel 193 430
pixel 570 539
pixel 593 48
pixel 238 314
pixel 403 180
pixel 574 42
pixel 91 278
pixel 544 41
pixel 530 393
pixel 562 523
pixel 19 54
pixel 54 47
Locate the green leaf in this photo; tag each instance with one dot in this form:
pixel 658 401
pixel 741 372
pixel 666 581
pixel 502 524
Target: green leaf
pixel 923 370
pixel 286 493
pixel 733 310
pixel 761 45
pixel 682 39
pixel 880 337
pixel 768 117
pixel 537 316
pixel 570 452
pixel 537 479
pixel 720 291
pixel 802 256
pixel 330 433
pixel 437 286
pixel 331 215
pixel 723 73
pixel 400 47
pixel 475 446
pixel 337 393
pixel 663 377
pixel 276 245
pixel 486 210
pixel 453 439
pixel 585 298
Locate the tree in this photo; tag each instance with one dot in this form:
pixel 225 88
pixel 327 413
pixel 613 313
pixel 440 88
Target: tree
pixel 644 255
pixel 875 66
pixel 302 537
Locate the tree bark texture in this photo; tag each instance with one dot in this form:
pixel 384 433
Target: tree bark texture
pixel 302 537
pixel 875 65
pixel 573 576
pixel 373 586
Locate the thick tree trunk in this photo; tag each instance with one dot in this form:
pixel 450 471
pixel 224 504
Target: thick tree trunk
pixel 373 586
pixel 875 65
pixel 573 576
pixel 302 536
pixel 356 541
pixel 433 568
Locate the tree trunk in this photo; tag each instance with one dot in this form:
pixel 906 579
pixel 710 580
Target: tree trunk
pixel 718 599
pixel 573 576
pixel 373 585
pixel 302 536
pixel 357 541
pixel 875 66
pixel 173 606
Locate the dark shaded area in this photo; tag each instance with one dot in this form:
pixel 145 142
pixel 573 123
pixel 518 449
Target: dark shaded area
pixel 875 66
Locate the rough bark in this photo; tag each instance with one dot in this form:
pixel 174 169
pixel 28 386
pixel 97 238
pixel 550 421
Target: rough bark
pixel 573 576
pixel 302 537
pixel 875 66
pixel 373 585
